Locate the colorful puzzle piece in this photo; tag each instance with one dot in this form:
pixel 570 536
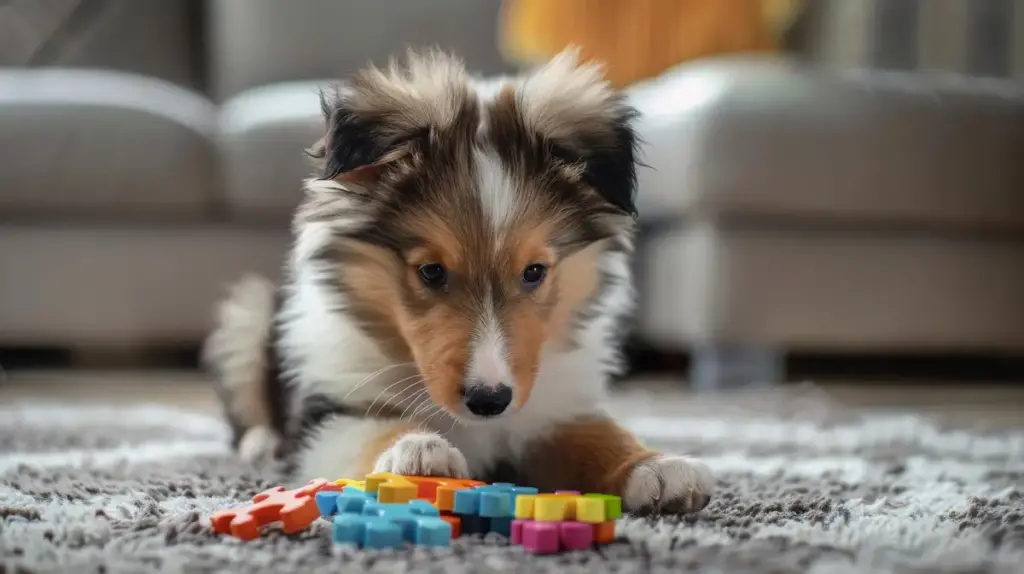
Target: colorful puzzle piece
pixel 437 490
pixel 331 502
pixel 441 491
pixel 391 487
pixel 294 509
pixel 489 507
pixel 564 520
pixel 351 483
pixel 388 525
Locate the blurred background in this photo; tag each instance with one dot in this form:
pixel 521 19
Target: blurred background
pixel 834 188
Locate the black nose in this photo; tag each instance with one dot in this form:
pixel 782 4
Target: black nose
pixel 486 401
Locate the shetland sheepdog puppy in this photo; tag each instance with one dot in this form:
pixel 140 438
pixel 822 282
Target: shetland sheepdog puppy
pixel 453 299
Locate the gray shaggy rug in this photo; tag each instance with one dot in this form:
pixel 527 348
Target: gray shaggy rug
pixel 804 486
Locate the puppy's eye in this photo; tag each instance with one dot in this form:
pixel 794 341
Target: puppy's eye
pixel 533 275
pixel 433 275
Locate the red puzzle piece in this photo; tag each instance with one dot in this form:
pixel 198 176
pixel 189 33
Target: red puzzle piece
pixel 295 509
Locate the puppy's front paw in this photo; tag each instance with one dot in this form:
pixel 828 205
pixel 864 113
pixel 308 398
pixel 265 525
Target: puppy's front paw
pixel 667 483
pixel 423 454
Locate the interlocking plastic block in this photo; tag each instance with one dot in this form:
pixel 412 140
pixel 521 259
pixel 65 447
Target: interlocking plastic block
pixel 475 524
pixel 575 535
pixel 295 509
pixel 540 537
pixel 420 521
pixel 590 510
pixel 440 491
pixel 502 525
pixel 331 502
pixel 612 504
pixel 565 520
pixel 391 487
pixel 524 507
pixel 455 521
pixel 604 532
pixel 551 537
pixel 351 483
pixel 554 507
pixel 496 500
pixel 388 525
pixel 366 531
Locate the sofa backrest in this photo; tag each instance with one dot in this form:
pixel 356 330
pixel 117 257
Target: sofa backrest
pixel 257 42
pixel 158 38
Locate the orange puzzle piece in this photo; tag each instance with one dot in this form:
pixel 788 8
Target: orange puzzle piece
pixel 295 509
pixel 456 523
pixel 439 491
pixel 604 532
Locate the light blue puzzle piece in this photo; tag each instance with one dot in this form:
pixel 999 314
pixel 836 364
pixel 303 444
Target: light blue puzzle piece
pixel 366 531
pixel 432 531
pixel 496 500
pixel 418 520
pixel 332 502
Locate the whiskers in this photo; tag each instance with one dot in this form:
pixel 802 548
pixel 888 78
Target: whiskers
pixel 374 375
pixel 411 396
pixel 431 415
pixel 414 380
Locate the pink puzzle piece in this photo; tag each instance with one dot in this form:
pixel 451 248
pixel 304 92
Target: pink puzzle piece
pixel 576 535
pixel 552 537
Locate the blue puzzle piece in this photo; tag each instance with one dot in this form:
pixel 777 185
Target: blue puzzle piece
pixel 366 531
pixel 496 500
pixel 332 502
pixel 502 526
pixel 418 520
pixel 475 524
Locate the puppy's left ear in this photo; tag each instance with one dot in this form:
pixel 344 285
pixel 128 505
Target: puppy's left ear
pixel 352 146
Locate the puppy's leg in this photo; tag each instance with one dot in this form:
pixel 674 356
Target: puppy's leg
pixel 352 447
pixel 597 455
pixel 238 353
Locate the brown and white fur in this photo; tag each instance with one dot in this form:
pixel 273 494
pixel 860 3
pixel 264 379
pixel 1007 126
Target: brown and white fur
pixel 359 364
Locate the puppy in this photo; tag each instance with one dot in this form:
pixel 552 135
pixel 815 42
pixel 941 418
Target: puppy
pixel 453 298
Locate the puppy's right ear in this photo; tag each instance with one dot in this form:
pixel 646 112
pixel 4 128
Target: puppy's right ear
pixel 351 147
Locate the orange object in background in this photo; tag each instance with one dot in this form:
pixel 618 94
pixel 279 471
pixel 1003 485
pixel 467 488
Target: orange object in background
pixel 638 39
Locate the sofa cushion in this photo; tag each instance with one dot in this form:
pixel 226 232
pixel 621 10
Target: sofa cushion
pixel 769 137
pixel 264 133
pixel 812 289
pixel 124 285
pixel 99 143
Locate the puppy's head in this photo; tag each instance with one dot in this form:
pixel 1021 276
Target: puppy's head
pixel 465 223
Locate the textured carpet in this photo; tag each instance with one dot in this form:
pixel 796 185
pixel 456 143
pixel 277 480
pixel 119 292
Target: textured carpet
pixel 804 487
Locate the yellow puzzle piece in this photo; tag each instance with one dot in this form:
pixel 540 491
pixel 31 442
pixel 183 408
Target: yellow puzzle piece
pixel 391 487
pixel 560 507
pixel 357 484
pixel 555 507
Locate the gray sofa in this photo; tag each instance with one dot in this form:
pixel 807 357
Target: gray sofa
pixel 151 150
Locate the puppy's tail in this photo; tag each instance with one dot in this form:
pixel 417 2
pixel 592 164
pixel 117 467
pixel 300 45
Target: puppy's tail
pixel 240 355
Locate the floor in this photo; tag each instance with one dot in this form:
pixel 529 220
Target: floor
pixel 999 405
